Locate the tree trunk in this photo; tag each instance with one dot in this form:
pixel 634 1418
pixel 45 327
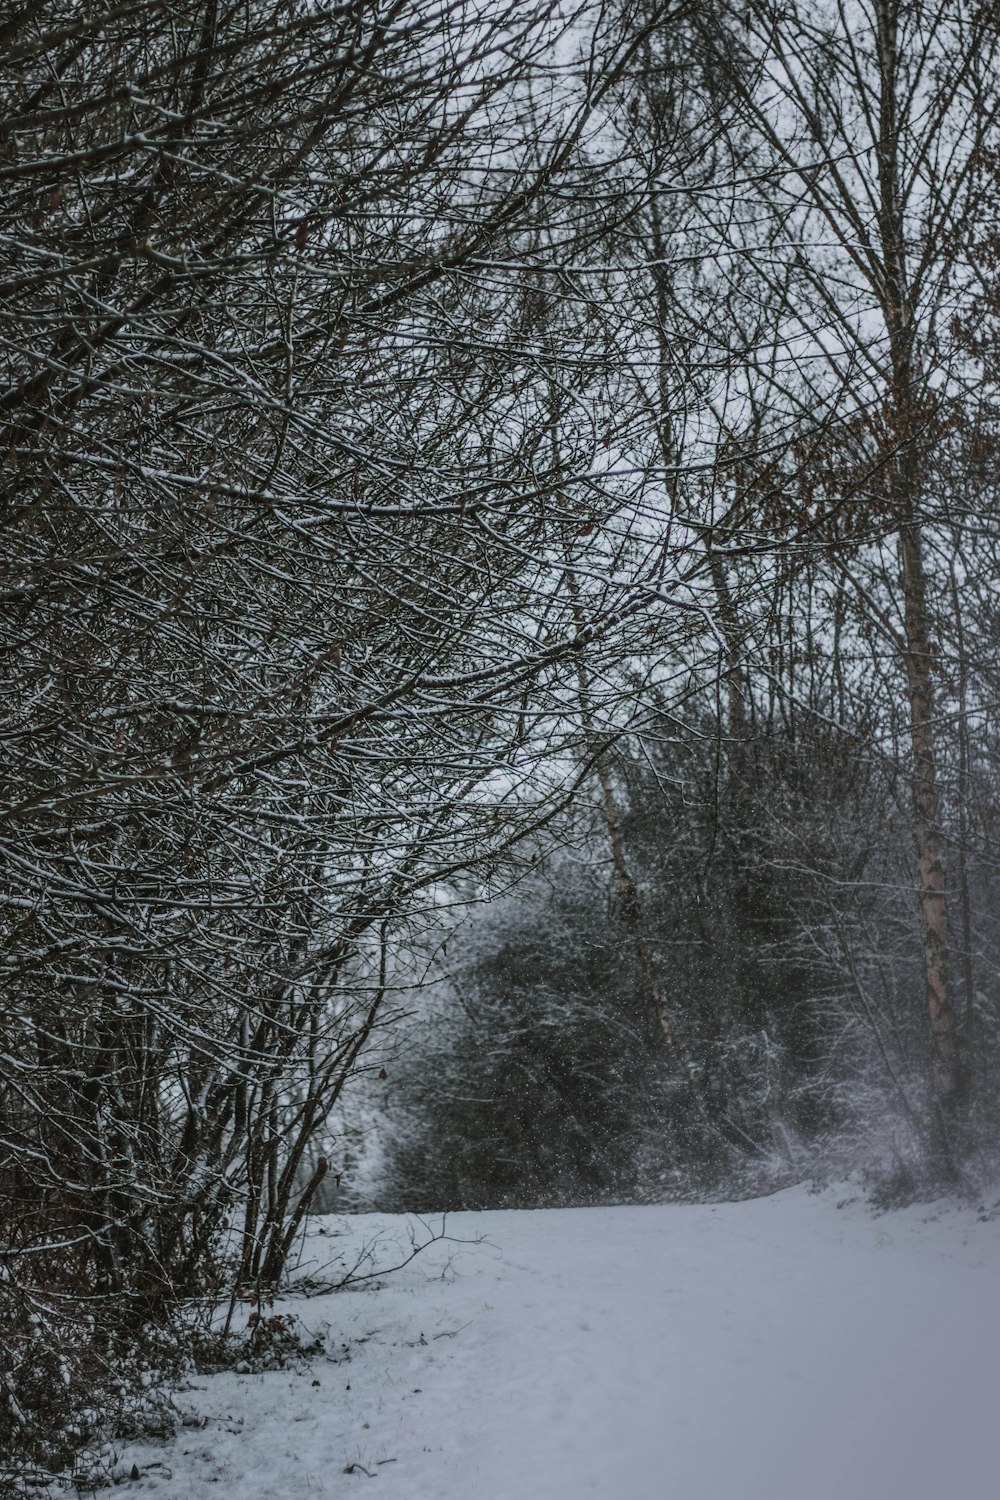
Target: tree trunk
pixel 928 843
pixel 905 495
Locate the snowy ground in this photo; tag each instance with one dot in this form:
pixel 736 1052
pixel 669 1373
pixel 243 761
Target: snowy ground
pixel 788 1348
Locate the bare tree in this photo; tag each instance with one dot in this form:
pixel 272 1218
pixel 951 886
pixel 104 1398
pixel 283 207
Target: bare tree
pixel 867 129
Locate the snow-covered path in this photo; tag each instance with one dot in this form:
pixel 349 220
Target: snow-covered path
pixel 780 1349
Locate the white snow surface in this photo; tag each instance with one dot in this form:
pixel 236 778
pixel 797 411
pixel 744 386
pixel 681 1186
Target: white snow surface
pixel 797 1347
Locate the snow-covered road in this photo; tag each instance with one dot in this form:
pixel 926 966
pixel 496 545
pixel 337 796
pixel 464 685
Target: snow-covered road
pixel 779 1349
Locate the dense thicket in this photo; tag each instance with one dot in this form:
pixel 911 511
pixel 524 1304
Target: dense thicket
pixel 766 909
pixel 430 434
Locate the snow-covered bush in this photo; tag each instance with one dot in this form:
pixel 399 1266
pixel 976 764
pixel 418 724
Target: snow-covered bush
pixel 538 1075
pixel 73 1379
